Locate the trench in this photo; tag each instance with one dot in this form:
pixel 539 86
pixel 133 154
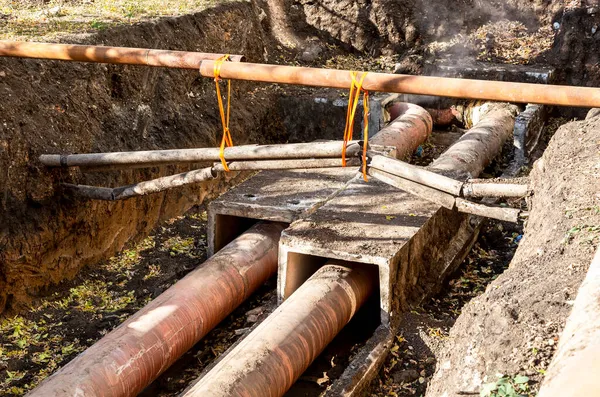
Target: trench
pixel 104 294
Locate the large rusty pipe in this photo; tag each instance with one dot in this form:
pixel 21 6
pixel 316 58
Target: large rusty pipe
pixel 409 129
pixel 102 54
pixel 423 85
pixel 269 360
pixel 139 350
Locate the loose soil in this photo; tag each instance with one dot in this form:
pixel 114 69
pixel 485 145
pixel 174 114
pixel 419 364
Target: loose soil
pixel 513 327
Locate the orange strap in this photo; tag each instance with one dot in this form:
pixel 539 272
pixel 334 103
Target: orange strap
pixel 226 139
pixel 365 135
pixel 353 98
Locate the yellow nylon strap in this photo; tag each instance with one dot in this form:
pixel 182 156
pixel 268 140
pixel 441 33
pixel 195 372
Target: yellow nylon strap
pixel 226 139
pixel 355 89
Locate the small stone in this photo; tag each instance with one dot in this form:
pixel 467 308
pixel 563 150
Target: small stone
pixel 421 380
pixel 550 342
pixel 257 311
pixel 241 331
pixel 406 376
pixel 556 25
pixel 54 11
pixel 2 73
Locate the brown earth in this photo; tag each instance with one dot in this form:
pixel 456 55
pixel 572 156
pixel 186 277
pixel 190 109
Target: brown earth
pixel 513 327
pixel 53 107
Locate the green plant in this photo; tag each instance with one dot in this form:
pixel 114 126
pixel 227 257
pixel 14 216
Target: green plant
pixel 506 386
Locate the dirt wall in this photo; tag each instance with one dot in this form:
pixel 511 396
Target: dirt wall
pixel 53 107
pixel 513 327
pixel 389 26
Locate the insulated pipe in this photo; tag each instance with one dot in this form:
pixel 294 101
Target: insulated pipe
pixel 196 176
pixel 269 360
pixel 477 148
pixel 116 55
pixel 417 174
pixel 426 85
pixel 143 188
pixel 483 189
pixel 139 350
pixel 150 158
pixel 409 129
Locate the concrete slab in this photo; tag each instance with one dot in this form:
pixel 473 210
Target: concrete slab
pixel 280 196
pixel 412 241
pixel 489 71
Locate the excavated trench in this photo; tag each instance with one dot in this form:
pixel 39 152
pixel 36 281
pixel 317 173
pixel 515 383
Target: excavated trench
pixel 47 238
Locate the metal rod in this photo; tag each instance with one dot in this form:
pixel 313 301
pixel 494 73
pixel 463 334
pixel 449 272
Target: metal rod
pixel 425 85
pixel 269 360
pixel 116 55
pixel 141 189
pixel 130 357
pixel 176 156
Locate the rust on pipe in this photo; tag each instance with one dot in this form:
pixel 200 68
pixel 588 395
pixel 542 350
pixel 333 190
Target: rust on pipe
pixel 407 84
pixel 409 129
pixel 269 360
pixel 116 55
pixel 440 117
pixel 139 350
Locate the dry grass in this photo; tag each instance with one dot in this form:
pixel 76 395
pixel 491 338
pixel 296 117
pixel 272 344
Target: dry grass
pixel 40 19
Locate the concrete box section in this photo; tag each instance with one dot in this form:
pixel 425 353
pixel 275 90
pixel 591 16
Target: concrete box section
pixel 413 242
pixel 280 196
pixel 334 214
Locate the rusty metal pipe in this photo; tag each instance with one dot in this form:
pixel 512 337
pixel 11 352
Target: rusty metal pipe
pixel 269 360
pixel 139 350
pixel 409 129
pixel 440 117
pixel 424 85
pixel 116 55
